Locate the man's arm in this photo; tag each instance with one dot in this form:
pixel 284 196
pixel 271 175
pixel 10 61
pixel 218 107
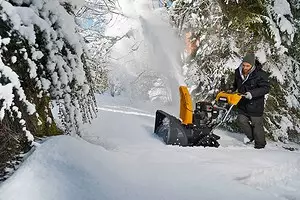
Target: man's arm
pixel 263 86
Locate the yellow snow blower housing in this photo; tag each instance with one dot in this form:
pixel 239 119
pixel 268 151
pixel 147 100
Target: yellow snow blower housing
pixel 186 106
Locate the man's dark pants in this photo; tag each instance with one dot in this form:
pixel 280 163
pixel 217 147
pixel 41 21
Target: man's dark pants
pixel 253 128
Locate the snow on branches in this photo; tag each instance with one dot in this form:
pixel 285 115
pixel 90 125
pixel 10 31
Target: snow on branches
pixel 223 31
pixel 276 14
pixel 281 24
pixel 94 17
pixel 227 1
pixel 46 58
pixel 10 88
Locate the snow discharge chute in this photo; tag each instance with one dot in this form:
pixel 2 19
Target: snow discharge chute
pixel 194 127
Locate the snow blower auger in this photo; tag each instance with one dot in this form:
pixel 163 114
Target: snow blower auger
pixel 194 128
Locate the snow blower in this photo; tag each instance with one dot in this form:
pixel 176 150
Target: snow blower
pixel 195 128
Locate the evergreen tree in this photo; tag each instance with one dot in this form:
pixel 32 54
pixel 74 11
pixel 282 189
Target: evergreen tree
pixel 42 63
pixel 226 30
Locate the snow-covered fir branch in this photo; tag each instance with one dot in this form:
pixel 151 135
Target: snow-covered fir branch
pixel 47 45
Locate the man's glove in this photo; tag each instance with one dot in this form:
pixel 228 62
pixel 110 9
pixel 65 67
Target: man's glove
pixel 248 95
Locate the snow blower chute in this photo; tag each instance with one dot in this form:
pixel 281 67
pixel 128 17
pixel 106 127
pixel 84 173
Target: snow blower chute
pixel 194 128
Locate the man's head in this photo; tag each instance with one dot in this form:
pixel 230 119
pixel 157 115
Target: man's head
pixel 248 62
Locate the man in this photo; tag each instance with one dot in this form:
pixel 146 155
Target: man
pixel 252 82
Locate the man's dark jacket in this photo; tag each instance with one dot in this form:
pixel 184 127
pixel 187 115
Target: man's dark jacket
pixel 258 85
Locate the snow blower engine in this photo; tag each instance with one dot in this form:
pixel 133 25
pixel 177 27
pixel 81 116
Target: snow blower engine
pixel 194 128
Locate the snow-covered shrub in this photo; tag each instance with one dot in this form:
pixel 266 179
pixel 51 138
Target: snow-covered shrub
pixel 42 59
pixel 42 62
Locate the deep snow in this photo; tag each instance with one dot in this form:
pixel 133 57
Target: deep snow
pixel 123 159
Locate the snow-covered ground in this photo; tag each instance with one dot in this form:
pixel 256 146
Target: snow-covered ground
pixel 119 157
pixel 123 159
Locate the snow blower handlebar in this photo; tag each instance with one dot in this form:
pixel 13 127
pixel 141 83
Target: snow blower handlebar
pixel 232 99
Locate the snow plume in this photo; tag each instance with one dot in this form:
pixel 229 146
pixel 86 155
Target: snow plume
pixel 163 53
pixel 146 62
pixel 54 56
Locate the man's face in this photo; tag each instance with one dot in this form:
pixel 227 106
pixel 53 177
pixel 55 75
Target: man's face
pixel 246 67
